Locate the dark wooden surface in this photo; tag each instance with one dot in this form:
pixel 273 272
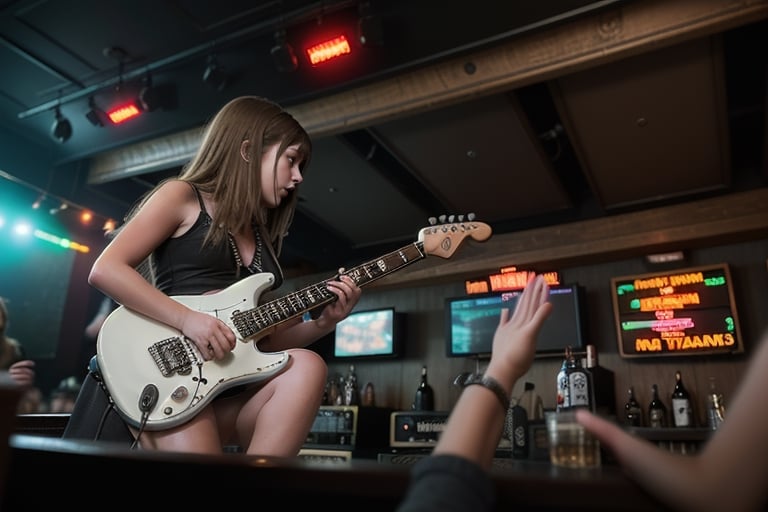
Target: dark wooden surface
pixel 49 472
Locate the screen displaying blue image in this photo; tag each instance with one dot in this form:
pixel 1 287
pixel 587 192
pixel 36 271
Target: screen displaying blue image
pixel 367 334
pixel 471 322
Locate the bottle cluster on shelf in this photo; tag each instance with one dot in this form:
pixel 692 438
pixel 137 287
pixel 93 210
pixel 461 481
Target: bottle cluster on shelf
pixel 680 413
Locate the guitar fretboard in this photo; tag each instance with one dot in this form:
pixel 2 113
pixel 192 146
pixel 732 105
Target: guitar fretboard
pixel 250 323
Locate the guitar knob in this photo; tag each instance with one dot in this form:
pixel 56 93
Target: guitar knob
pixel 180 394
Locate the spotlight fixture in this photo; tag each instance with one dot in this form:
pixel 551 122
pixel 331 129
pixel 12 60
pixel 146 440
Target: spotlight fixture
pixel 283 54
pixel 95 115
pixel 62 128
pixel 370 28
pixel 149 98
pixel 214 75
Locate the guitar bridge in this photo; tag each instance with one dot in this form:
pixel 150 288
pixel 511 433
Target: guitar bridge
pixel 173 356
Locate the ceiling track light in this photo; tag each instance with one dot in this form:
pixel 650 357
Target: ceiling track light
pixel 62 128
pixel 283 54
pixel 370 27
pixel 95 115
pixel 214 75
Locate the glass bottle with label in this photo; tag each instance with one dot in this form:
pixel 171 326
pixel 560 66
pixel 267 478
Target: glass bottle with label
pixel 682 413
pixel 657 411
pixel 716 406
pixel 424 400
pixel 351 388
pixel 561 382
pixel 603 384
pixel 579 385
pixel 633 413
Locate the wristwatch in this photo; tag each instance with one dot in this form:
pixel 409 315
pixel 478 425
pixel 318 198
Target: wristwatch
pixel 492 384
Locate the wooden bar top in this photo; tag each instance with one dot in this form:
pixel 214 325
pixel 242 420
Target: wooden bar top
pixel 46 471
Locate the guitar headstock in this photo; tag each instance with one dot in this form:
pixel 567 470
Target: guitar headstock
pixel 444 238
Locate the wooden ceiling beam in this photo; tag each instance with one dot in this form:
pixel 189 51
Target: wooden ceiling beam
pixel 726 219
pixel 611 34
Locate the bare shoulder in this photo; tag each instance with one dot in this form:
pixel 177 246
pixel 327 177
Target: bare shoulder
pixel 177 191
pixel 175 198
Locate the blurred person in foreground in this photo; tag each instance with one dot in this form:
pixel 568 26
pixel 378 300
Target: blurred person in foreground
pixel 455 476
pixel 729 473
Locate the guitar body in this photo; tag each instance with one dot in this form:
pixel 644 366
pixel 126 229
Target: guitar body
pixel 158 378
pixel 134 351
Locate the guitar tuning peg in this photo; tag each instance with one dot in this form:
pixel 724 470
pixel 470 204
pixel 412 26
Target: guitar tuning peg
pixel 461 218
pixel 451 218
pixel 442 219
pixel 471 216
pixel 432 221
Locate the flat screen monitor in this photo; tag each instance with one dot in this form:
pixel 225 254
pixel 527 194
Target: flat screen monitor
pixel 471 321
pixel 682 312
pixel 369 334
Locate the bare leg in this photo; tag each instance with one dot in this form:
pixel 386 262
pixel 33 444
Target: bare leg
pixel 198 435
pixel 276 419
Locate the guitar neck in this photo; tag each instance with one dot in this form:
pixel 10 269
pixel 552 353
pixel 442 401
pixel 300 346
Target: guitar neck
pixel 249 323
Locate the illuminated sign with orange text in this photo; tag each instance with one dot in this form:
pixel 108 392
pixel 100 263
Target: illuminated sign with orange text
pixel 681 312
pixel 508 279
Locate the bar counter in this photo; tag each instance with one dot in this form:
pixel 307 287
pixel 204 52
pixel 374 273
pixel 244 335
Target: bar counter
pixel 53 472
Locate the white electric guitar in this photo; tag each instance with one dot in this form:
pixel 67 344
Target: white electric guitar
pixel 157 377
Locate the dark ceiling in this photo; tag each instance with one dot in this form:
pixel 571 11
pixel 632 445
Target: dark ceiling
pixel 677 120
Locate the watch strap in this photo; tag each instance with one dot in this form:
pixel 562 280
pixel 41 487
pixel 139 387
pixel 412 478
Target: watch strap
pixel 493 385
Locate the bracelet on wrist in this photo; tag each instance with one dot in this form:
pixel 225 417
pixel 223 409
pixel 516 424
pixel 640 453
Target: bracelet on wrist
pixel 493 385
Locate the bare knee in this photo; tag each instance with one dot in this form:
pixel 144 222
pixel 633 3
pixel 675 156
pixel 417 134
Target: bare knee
pixel 308 365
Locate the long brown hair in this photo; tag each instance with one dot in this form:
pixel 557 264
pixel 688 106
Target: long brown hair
pixel 218 168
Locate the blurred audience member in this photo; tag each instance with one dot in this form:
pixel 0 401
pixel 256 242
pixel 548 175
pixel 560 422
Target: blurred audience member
pixel 12 357
pixel 32 402
pixel 63 397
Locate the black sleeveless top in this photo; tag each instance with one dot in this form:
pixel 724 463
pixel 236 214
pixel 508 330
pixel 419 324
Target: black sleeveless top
pixel 184 266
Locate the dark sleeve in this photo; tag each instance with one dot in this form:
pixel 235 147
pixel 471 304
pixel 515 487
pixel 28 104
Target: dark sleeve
pixel 447 483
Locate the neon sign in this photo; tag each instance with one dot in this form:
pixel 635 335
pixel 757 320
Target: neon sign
pixel 683 312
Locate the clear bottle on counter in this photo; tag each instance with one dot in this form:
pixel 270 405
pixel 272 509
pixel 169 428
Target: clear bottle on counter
pixel 561 381
pixel 351 388
pixel 716 406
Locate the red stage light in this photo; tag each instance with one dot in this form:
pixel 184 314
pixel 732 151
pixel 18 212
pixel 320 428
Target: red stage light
pixel 328 50
pixel 123 113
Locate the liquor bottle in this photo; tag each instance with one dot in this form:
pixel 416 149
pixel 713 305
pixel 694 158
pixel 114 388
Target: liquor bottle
pixel 633 413
pixel 561 382
pixel 351 388
pixel 531 402
pixel 424 400
pixel 369 395
pixel 603 384
pixel 657 411
pixel 580 391
pixel 716 406
pixel 682 413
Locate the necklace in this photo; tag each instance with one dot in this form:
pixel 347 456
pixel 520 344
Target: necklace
pixel 255 265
